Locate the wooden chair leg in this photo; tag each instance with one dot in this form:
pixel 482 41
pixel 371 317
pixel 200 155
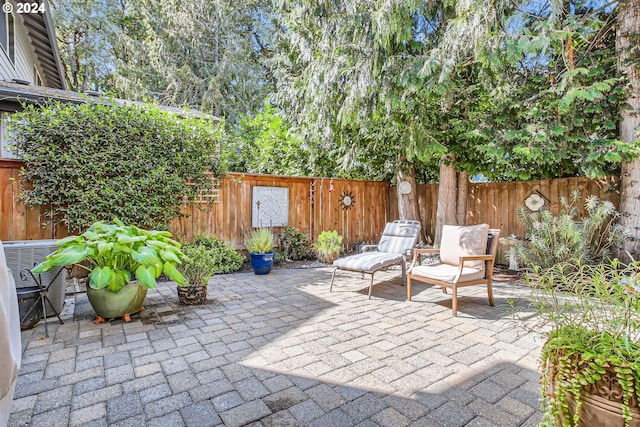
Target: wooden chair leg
pixel 490 292
pixel 408 287
pixel 454 303
pixel 333 276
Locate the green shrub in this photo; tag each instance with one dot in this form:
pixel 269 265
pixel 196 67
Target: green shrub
pixel 328 246
pixel 260 241
pixel 198 266
pixel 92 162
pixel 295 243
pixel 225 258
pixel 559 239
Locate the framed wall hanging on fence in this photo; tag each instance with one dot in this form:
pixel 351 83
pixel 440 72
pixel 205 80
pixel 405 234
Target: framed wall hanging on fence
pixel 269 206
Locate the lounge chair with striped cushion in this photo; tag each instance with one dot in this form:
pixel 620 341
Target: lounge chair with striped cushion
pixel 397 241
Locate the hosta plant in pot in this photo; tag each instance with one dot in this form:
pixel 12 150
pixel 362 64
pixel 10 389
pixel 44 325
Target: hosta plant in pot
pixel 260 247
pixel 591 355
pixel 124 261
pixel 328 246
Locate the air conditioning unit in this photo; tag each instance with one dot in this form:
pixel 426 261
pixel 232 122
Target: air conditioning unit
pixel 21 254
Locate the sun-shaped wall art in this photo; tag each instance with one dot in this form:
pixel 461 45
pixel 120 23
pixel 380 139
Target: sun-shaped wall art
pixel 347 199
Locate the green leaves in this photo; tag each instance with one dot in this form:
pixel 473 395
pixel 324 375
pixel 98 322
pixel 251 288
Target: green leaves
pixel 171 271
pixel 146 275
pixel 116 252
pixel 101 277
pixel 95 162
pixel 66 255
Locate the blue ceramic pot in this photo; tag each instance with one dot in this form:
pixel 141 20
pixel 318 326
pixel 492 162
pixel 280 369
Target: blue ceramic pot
pixel 262 263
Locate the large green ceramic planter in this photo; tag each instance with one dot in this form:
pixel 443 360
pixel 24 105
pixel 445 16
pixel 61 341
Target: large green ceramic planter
pixel 116 304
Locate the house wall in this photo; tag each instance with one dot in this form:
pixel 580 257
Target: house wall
pixel 23 68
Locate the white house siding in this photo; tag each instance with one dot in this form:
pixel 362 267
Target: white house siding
pixel 23 68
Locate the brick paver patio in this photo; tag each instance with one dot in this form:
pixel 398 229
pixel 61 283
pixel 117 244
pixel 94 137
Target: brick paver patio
pixel 281 350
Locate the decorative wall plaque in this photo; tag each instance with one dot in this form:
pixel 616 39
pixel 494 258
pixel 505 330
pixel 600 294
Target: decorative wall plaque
pixel 535 201
pixel 270 207
pixel 347 199
pixel 404 187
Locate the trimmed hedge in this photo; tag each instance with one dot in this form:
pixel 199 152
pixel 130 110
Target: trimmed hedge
pixel 93 162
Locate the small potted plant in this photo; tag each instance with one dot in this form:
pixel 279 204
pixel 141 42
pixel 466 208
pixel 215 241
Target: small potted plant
pixel 328 246
pixel 124 262
pixel 204 258
pixel 198 266
pixel 260 247
pixel 591 356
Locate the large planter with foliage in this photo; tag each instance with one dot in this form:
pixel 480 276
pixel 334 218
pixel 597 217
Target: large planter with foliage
pixel 260 247
pixel 601 403
pixel 591 356
pixel 118 254
pixel 127 300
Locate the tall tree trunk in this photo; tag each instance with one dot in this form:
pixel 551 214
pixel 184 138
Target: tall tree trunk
pixel 452 197
pixel 408 202
pixel 463 192
pixel 628 53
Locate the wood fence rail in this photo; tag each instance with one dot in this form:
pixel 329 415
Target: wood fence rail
pixel 497 203
pixel 314 206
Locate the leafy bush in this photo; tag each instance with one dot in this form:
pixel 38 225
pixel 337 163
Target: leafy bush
pixel 260 241
pixel 92 162
pixel 557 239
pixel 296 244
pixel 328 246
pixel 198 266
pixel 225 258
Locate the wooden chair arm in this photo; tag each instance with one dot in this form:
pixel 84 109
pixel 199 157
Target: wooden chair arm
pixel 422 251
pixel 476 258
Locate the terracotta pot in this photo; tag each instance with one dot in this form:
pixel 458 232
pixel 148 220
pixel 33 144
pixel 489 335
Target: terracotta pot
pixel 116 304
pixel 601 403
pixel 192 295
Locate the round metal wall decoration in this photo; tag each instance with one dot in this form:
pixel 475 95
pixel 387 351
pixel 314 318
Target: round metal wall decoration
pixel 404 187
pixel 347 200
pixel 535 201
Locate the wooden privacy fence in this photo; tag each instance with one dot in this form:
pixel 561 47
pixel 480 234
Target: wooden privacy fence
pixel 497 203
pixel 315 206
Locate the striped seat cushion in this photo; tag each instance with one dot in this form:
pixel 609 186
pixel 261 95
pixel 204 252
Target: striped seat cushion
pixel 368 262
pixel 399 237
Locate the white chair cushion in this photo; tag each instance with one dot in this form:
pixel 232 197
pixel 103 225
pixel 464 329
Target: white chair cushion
pixel 399 237
pixel 368 261
pixel 459 241
pixel 447 273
